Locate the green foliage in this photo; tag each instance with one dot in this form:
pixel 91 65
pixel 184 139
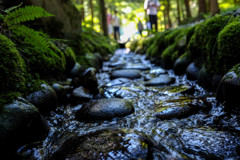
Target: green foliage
pixel 32 37
pixel 17 15
pixel 169 55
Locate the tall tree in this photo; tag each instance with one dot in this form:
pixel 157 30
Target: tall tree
pixel 188 8
pixel 179 13
pixel 92 13
pixel 103 17
pixel 82 10
pixel 202 7
pixel 214 9
pixel 168 5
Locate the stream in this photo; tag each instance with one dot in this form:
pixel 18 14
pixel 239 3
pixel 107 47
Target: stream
pixel 173 118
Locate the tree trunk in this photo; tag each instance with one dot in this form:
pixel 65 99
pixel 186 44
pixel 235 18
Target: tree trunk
pixel 214 9
pixel 92 14
pixel 202 7
pixel 82 11
pixel 188 9
pixel 168 14
pixel 179 13
pixel 103 17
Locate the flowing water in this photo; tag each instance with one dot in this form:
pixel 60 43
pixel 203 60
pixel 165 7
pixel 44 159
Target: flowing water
pixel 206 133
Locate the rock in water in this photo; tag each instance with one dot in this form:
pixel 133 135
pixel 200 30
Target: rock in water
pixel 104 144
pixel 162 80
pixel 45 99
pixel 21 123
pixel 128 73
pixel 104 109
pixel 80 94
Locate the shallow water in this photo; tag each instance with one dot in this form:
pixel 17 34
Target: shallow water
pixel 208 133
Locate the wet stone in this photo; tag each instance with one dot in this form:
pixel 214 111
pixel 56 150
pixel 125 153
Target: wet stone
pixel 211 143
pixel 104 109
pixel 45 99
pixel 103 144
pixel 161 80
pixel 131 74
pixel 80 95
pixel 179 107
pixel 136 66
pixel 118 82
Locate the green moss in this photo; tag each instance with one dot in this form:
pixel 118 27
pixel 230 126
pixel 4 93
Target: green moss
pixel 171 37
pixel 70 58
pixel 12 67
pixel 228 43
pixel 168 55
pixel 47 64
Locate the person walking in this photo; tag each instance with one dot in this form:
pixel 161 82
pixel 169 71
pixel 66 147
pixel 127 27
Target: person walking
pixel 151 7
pixel 116 26
pixel 140 27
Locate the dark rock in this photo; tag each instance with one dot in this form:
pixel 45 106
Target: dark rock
pixel 210 143
pixel 216 79
pixel 131 74
pixel 229 90
pixel 192 71
pixel 179 108
pixel 136 66
pixel 161 80
pixel 45 99
pixel 77 70
pixel 118 82
pixel 104 144
pixel 62 92
pixel 20 123
pixel 180 65
pixel 88 79
pixel 104 109
pixel 80 95
pixel 204 79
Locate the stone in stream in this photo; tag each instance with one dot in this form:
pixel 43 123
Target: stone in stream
pixel 210 143
pixel 104 109
pixel 161 80
pixel 62 92
pixel 119 82
pixel 229 90
pixel 20 123
pixel 192 71
pixel 45 99
pixel 80 95
pixel 179 107
pixel 126 73
pixel 141 67
pixel 103 144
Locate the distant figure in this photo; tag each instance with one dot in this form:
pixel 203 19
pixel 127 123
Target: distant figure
pixel 140 27
pixel 151 7
pixel 116 26
pixel 109 23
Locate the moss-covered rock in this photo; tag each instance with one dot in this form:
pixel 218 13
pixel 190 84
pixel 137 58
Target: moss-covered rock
pixel 50 63
pixel 70 58
pixel 12 67
pixel 229 89
pixel 167 56
pixel 228 43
